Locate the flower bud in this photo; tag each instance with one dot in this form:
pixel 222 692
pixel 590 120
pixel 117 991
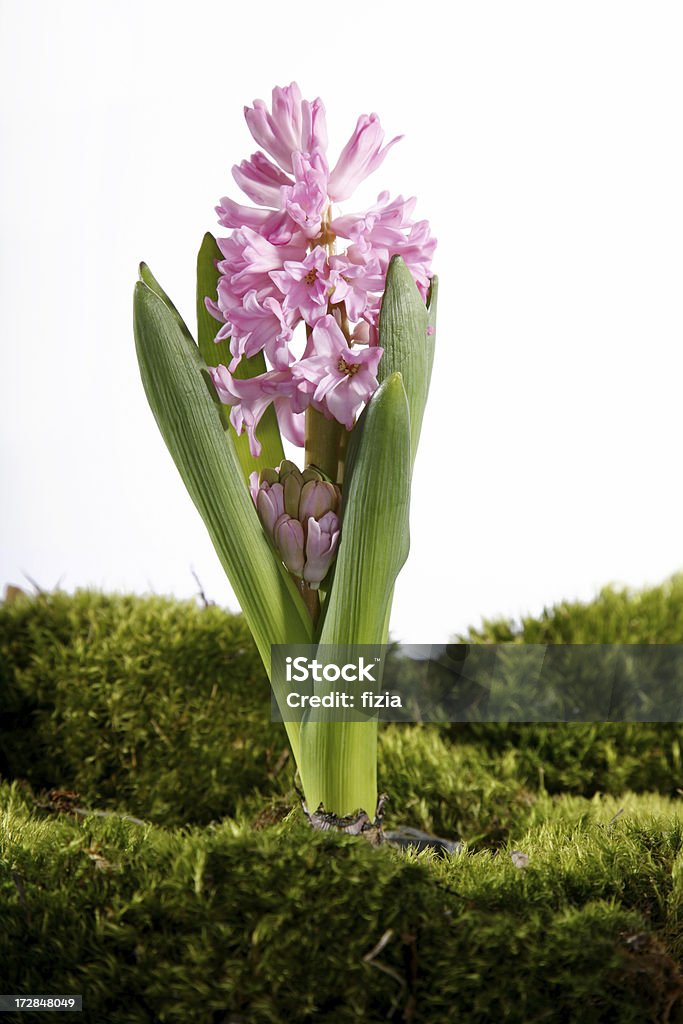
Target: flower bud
pixel 270 504
pixel 298 511
pixel 317 498
pixel 254 484
pixel 289 541
pixel 286 469
pixel 292 488
pixel 321 547
pixel 269 476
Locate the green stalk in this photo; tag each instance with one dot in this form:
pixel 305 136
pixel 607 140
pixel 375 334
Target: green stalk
pixel 323 441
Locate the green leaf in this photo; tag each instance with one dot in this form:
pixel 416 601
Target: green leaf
pixel 212 352
pixel 408 349
pixel 268 431
pixel 375 534
pixel 338 764
pixel 186 410
pixel 396 335
pixel 148 278
pixel 339 759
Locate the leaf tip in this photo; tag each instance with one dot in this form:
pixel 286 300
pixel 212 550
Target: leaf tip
pixel 433 293
pixel 208 251
pixel 394 381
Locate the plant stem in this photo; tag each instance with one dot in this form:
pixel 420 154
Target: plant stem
pixel 311 600
pixel 323 439
pixel 341 461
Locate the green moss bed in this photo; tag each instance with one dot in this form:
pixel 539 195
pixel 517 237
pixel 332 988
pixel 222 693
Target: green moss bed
pixel 153 856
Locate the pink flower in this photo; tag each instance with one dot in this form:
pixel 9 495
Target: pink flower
pixel 251 397
pixel 355 280
pixel 293 125
pixel 417 250
pixel 249 259
pixel 260 180
pixel 365 332
pixel 291 258
pixel 386 213
pixel 361 155
pixel 314 126
pixel 275 226
pixel 292 424
pixel 306 285
pixel 322 538
pixel 306 200
pixel 387 230
pixel 343 378
pixel 260 324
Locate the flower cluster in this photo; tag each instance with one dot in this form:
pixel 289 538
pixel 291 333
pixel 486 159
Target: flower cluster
pixel 299 512
pixel 293 259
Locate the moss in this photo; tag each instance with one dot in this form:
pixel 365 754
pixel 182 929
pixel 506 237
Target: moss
pixel 451 790
pixel 278 925
pixel 161 708
pixel 225 908
pixel 591 757
pixel 148 704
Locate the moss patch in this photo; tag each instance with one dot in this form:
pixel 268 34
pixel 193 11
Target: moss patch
pixel 154 706
pixel 221 906
pixel 225 923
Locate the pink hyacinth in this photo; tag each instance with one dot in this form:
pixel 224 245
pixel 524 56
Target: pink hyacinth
pixel 294 258
pixel 250 398
pixel 361 155
pixel 306 285
pixel 260 325
pixel 338 379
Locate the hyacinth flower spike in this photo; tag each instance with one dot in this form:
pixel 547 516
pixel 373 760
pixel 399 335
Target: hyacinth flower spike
pixel 315 325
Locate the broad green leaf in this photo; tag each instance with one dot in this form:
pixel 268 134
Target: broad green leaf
pixel 375 535
pixel 338 759
pixel 338 765
pixel 268 431
pixel 148 278
pixel 186 410
pixel 408 349
pixel 401 356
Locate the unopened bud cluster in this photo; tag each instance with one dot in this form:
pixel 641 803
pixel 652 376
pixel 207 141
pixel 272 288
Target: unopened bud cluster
pixel 300 513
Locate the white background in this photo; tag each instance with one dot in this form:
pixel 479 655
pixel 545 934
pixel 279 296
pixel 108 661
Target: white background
pixel 544 143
